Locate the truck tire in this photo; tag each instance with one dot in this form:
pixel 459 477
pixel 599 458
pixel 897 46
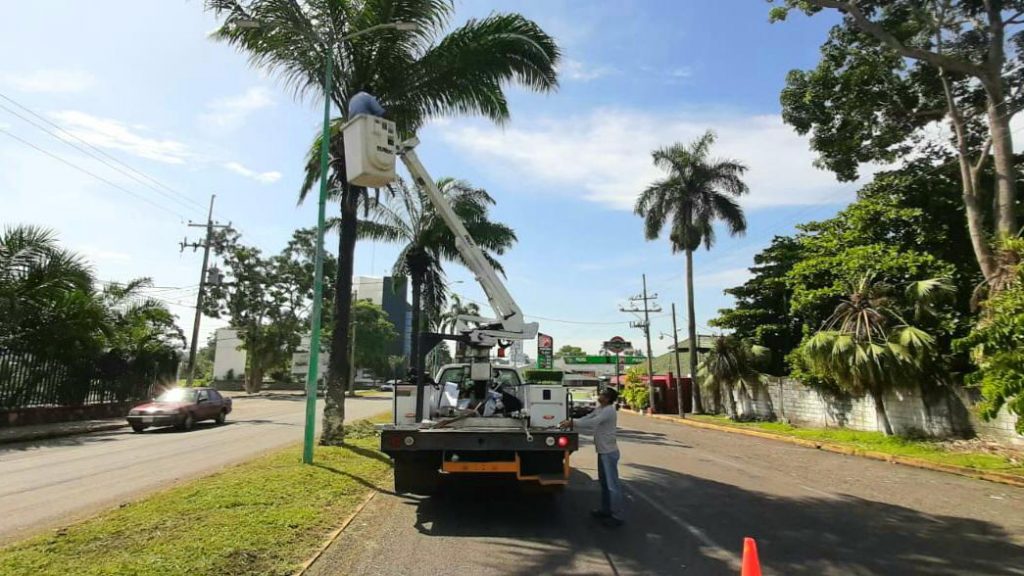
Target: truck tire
pixel 417 473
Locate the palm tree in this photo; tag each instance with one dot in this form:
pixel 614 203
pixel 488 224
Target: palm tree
pixel 867 345
pixel 733 363
pixel 39 282
pixel 415 76
pixel 410 219
pixel 450 319
pixel 697 191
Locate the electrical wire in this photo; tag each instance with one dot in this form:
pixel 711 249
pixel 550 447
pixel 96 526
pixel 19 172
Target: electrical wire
pixel 102 156
pixel 93 174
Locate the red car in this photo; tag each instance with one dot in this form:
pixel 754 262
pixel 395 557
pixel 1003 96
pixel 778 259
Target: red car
pixel 181 408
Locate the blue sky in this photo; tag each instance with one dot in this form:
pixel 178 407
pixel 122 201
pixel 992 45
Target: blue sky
pixel 142 82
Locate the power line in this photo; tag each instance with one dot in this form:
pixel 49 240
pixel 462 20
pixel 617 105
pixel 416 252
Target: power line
pixel 93 174
pixel 102 156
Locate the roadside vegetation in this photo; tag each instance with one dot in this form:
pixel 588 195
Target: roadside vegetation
pixel 265 516
pixel 917 284
pixel 935 451
pixel 66 335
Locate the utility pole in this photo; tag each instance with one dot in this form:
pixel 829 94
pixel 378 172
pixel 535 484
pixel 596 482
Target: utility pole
pixel 205 245
pixel 645 325
pixel 679 370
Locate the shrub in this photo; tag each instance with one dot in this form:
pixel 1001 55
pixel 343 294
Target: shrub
pixel 996 344
pixel 552 376
pixel 637 396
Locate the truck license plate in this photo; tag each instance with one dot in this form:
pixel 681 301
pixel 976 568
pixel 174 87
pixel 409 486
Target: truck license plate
pixel 148 419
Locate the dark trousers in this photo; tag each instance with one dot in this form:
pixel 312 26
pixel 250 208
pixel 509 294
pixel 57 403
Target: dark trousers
pixel 608 477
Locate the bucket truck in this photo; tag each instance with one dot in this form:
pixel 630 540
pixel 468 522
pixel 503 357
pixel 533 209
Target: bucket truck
pixel 474 417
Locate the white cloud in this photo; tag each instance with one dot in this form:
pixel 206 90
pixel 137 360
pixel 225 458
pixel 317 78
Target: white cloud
pixel 114 134
pixel 576 70
pixel 605 156
pixel 231 112
pixel 52 81
pixel 261 177
pixel 682 72
pixel 723 278
pixel 97 255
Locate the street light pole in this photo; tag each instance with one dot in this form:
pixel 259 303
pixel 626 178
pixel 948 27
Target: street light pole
pixel 679 370
pixel 318 278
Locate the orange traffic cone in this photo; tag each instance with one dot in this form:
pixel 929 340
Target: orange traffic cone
pixel 751 565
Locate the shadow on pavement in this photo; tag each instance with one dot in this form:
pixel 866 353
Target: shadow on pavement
pixel 684 524
pixel 75 440
pixel 651 438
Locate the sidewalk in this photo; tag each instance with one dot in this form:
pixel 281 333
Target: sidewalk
pixel 9 435
pixel 849 450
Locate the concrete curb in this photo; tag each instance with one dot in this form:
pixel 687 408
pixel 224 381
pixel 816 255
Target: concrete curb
pixel 996 477
pixel 334 535
pixel 47 434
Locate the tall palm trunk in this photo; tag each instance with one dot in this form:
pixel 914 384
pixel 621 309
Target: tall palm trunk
pixel 417 265
pixel 698 408
pixel 417 301
pixel 880 414
pixel 339 367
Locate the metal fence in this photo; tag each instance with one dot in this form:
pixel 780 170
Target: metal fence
pixel 29 380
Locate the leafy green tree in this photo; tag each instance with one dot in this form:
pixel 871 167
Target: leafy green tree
pixel 872 344
pixel 997 344
pixel 761 312
pixel 733 365
pixel 569 350
pixel 374 336
pixel 435 71
pixel 890 69
pixel 698 191
pixel 409 219
pixel 265 299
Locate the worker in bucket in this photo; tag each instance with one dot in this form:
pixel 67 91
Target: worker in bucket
pixel 602 422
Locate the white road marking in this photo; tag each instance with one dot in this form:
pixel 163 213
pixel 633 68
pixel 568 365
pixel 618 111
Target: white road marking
pixel 709 546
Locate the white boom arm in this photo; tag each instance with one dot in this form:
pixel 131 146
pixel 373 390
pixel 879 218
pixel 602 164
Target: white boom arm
pixel 510 324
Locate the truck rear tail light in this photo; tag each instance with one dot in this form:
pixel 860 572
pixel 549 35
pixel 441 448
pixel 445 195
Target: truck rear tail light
pixel 563 441
pixel 550 441
pixel 394 441
pixel 409 440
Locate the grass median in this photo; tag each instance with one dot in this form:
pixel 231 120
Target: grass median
pixel 265 516
pixel 930 450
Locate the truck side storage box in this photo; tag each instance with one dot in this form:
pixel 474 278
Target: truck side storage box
pixel 404 407
pixel 547 405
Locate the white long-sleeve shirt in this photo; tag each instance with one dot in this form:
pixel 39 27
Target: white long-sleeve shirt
pixel 602 421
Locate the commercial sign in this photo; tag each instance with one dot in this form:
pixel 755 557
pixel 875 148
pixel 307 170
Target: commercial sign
pixel 617 345
pixel 602 359
pixel 545 351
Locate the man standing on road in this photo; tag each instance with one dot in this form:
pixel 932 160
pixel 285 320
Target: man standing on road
pixel 602 422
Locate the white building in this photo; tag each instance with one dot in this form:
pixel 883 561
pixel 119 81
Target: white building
pixel 300 361
pixel 228 356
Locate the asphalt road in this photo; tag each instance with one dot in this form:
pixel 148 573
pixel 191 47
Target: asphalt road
pixel 48 483
pixel 692 496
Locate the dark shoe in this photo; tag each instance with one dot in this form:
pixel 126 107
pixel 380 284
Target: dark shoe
pixel 613 521
pixel 600 514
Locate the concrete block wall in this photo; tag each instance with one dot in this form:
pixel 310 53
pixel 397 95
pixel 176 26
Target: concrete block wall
pixel 940 413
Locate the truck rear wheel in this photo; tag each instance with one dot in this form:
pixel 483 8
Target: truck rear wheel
pixel 417 473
